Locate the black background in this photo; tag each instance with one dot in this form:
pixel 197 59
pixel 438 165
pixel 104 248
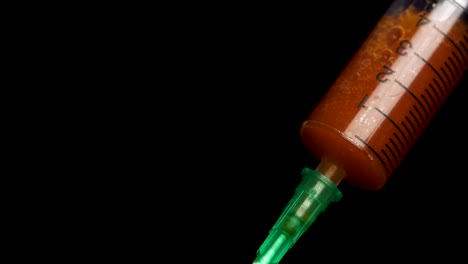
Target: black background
pixel 183 139
pixel 251 75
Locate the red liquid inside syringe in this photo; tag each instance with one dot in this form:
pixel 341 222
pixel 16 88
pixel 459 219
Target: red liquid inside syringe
pixel 388 93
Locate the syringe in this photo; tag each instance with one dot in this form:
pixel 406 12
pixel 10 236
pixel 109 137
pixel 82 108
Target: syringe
pixel 376 110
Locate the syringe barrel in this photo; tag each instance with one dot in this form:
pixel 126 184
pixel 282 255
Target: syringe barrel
pixel 391 89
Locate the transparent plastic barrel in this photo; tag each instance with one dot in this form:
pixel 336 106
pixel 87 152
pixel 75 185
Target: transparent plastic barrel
pixel 391 89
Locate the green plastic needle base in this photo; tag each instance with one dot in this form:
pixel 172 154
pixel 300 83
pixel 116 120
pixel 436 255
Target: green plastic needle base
pixel 312 196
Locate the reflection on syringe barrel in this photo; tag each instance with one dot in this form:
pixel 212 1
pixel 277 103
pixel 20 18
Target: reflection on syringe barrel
pixel 391 89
